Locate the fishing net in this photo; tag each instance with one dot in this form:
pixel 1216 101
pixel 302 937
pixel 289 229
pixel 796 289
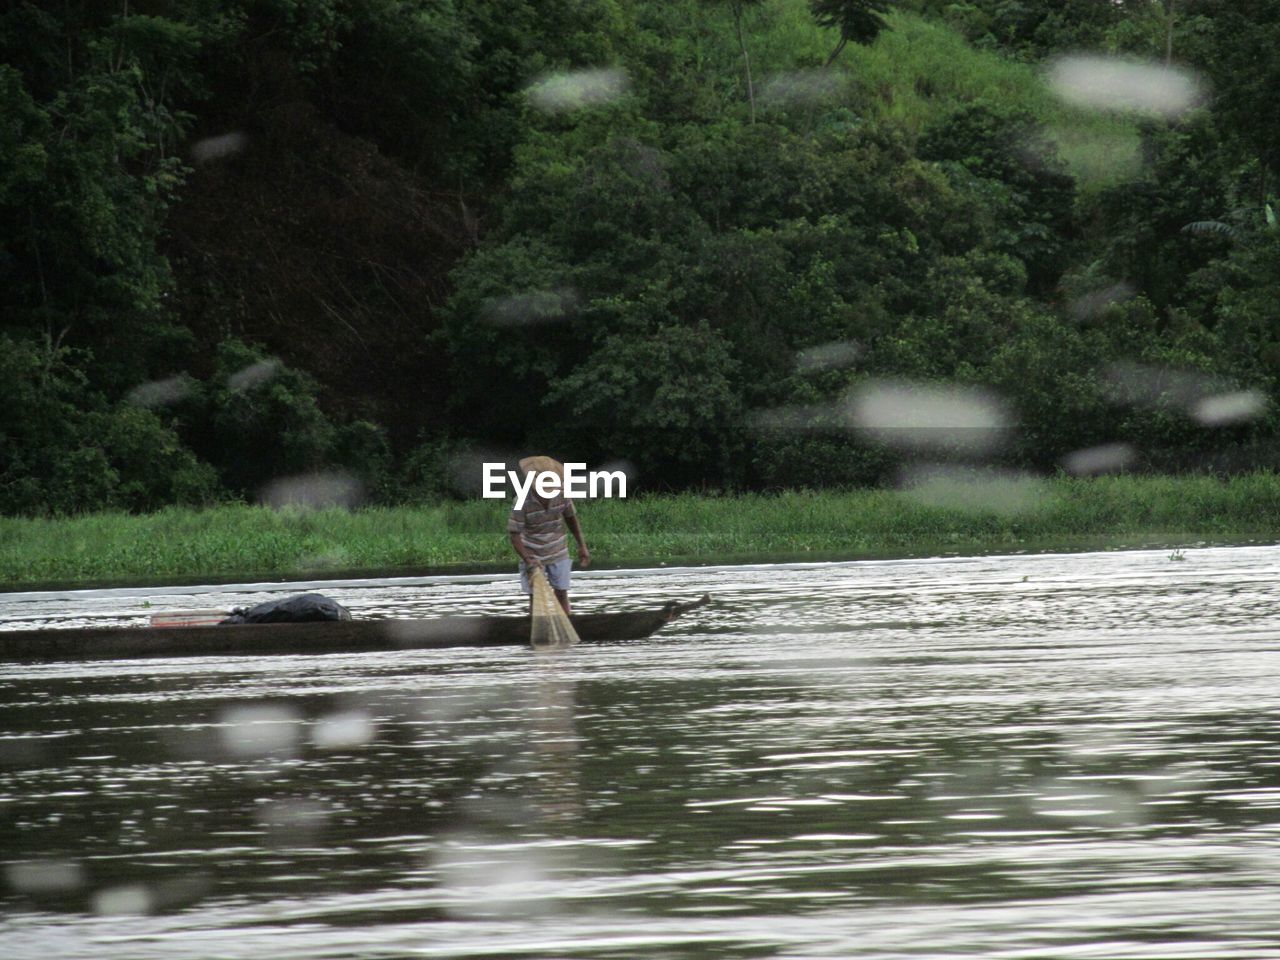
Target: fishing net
pixel 551 626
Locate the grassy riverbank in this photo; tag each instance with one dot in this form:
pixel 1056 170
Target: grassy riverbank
pixel 236 541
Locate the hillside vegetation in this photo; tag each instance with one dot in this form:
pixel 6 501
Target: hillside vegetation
pixel 379 240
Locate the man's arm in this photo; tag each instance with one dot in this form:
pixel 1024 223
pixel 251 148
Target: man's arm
pixel 517 542
pixel 584 555
pixel 515 533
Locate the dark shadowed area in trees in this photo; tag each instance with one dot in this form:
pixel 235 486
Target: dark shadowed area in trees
pixel 737 245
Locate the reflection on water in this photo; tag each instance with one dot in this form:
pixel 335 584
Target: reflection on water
pixel 1003 757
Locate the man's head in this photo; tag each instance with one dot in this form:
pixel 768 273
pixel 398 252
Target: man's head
pixel 540 465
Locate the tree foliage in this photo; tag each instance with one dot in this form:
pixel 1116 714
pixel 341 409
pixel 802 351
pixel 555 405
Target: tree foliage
pixel 859 21
pixel 369 201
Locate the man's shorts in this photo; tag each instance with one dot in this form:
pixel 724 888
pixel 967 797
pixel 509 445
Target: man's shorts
pixel 557 574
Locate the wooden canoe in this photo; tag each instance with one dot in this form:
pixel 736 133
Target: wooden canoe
pixel 338 636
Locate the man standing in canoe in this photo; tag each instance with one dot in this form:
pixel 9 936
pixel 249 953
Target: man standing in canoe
pixel 537 531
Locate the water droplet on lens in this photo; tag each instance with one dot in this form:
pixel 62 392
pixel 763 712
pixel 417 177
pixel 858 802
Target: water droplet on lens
pixel 1110 83
pixel 576 89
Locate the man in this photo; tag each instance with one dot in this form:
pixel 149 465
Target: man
pixel 537 532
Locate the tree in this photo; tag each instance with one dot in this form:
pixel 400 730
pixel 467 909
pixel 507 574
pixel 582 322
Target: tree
pixel 1143 229
pixel 663 400
pixel 737 8
pixel 65 449
pixel 85 182
pixel 1245 73
pixel 1017 166
pixel 858 20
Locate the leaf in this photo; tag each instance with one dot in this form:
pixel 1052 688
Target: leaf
pixel 1209 227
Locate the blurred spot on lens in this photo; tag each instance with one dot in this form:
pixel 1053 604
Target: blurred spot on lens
pixel 348 728
pixel 1174 779
pixel 21 751
pixel 828 356
pixel 464 473
pixel 576 89
pixel 160 392
pixel 1091 304
pixel 1212 401
pixel 260 731
pixel 1227 408
pixel 529 309
pixel 416 634
pixel 1086 802
pixel 122 901
pixel 1094 742
pixel 925 416
pixel 813 418
pixel 1113 84
pixel 448 707
pixel 479 877
pixel 1094 154
pixel 292 822
pixel 314 491
pixel 800 88
pixel 225 145
pixel 1138 383
pixel 624 467
pixel 44 876
pixel 1106 458
pixel 999 492
pixel 253 375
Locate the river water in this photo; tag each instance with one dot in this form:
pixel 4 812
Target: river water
pixel 1000 757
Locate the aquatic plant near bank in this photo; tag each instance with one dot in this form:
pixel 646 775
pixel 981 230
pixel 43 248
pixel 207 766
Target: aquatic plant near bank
pixel 244 541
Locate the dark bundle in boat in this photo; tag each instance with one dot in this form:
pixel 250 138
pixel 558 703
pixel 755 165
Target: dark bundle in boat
pixel 304 608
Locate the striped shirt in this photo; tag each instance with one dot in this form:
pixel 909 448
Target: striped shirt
pixel 541 527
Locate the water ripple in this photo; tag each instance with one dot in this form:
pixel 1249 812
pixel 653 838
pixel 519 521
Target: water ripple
pixel 1007 757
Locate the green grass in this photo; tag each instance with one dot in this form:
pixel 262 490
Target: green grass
pixel 245 541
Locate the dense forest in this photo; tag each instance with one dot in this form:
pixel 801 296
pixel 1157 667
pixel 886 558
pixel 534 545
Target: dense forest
pixel 251 239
